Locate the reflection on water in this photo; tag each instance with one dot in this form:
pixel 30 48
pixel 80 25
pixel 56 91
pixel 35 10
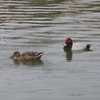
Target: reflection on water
pixel 43 25
pixel 29 63
pixel 69 55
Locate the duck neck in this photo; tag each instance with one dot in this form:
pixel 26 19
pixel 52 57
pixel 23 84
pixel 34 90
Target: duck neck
pixel 68 47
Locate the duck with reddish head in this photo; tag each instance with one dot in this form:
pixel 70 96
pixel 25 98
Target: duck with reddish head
pixel 69 45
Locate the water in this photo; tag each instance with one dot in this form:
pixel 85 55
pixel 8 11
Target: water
pixel 43 25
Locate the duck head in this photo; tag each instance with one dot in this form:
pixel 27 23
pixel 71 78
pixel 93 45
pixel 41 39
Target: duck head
pixel 15 54
pixel 68 44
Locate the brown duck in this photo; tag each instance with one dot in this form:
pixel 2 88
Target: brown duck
pixel 29 55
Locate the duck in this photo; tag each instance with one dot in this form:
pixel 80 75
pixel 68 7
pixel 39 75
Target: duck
pixel 29 55
pixel 69 45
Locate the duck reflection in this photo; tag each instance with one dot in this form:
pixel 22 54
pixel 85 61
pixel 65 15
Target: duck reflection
pixel 69 55
pixel 30 63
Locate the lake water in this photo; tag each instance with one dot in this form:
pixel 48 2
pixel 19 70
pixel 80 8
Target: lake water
pixel 43 25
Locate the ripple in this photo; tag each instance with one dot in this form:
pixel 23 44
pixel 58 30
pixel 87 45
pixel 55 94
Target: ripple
pixel 43 25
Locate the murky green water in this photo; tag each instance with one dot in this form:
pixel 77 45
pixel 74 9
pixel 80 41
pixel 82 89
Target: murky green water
pixel 43 25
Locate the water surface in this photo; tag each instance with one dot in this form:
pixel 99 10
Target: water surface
pixel 43 25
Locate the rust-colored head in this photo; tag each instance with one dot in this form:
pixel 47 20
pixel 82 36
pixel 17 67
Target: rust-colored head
pixel 15 54
pixel 69 42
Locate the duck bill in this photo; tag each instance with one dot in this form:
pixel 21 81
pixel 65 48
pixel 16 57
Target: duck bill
pixel 64 44
pixel 11 56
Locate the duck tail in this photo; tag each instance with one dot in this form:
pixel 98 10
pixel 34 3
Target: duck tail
pixel 88 46
pixel 40 54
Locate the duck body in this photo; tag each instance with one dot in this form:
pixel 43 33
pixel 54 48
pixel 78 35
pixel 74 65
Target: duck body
pixel 69 45
pixel 80 46
pixel 29 55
